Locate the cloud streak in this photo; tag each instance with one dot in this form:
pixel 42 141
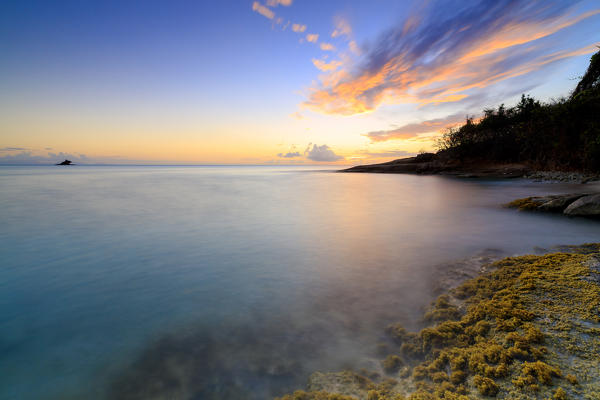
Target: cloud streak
pixel 289 154
pixel 275 3
pixel 412 130
pixel 447 51
pixel 326 66
pixel 13 149
pixel 388 153
pixel 263 10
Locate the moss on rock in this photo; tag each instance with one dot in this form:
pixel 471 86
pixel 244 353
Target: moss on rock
pixel 531 325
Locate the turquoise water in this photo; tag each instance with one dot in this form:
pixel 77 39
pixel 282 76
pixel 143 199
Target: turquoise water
pixel 229 281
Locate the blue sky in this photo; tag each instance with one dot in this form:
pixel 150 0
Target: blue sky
pixel 233 82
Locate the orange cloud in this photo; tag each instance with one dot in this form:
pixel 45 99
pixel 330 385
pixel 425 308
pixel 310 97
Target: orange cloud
pixel 412 130
pixel 325 66
pixel 275 3
pixel 425 61
pixel 312 37
pixel 518 33
pixel 342 28
pixel 262 10
pixel 354 47
pixel 327 47
pixel 298 28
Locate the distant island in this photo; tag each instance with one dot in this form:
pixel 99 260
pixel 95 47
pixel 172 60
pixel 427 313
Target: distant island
pixel 66 162
pixel 562 136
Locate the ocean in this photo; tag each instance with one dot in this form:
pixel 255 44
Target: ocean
pixel 202 282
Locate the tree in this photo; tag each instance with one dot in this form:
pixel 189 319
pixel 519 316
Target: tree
pixel 591 79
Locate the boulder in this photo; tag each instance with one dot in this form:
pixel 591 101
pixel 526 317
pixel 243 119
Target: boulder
pixel 559 203
pixel 585 206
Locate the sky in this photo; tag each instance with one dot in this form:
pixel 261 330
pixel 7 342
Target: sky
pixel 272 81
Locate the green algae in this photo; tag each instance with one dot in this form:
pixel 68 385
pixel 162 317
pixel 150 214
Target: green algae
pixel 525 204
pixel 392 363
pixel 529 329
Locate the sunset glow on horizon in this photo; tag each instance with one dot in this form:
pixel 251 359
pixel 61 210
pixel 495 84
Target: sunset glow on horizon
pixel 272 81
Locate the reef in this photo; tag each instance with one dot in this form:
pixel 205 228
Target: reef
pixel 527 329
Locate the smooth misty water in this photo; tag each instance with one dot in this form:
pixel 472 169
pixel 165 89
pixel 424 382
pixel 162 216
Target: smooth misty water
pixel 106 272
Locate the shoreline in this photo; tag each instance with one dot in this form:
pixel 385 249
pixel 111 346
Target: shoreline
pixel 433 164
pixel 527 328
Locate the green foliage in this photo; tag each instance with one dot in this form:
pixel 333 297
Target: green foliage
pixel 562 134
pixel 591 79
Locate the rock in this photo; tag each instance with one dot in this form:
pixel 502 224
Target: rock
pixel 585 206
pixel 559 203
pixel 530 203
pixel 66 162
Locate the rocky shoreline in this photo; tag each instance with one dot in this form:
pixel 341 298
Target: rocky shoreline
pixel 434 164
pixel 574 204
pixel 528 329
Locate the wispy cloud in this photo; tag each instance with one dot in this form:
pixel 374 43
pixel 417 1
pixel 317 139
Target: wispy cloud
pixel 327 46
pixel 353 46
pixel 326 66
pixel 289 154
pixel 275 3
pixel 321 153
pixel 412 130
pixel 342 28
pixel 446 52
pixel 298 28
pixel 312 37
pixel 13 149
pixel 387 153
pixel 263 10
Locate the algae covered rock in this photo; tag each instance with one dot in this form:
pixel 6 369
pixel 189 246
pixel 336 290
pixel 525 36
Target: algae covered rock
pixel 530 329
pixel 580 204
pixel 529 203
pixel 585 206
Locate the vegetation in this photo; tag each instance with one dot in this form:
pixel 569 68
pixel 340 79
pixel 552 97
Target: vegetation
pixel 524 204
pixel 563 134
pixel 529 329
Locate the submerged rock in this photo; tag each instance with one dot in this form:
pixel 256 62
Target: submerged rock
pixel 585 206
